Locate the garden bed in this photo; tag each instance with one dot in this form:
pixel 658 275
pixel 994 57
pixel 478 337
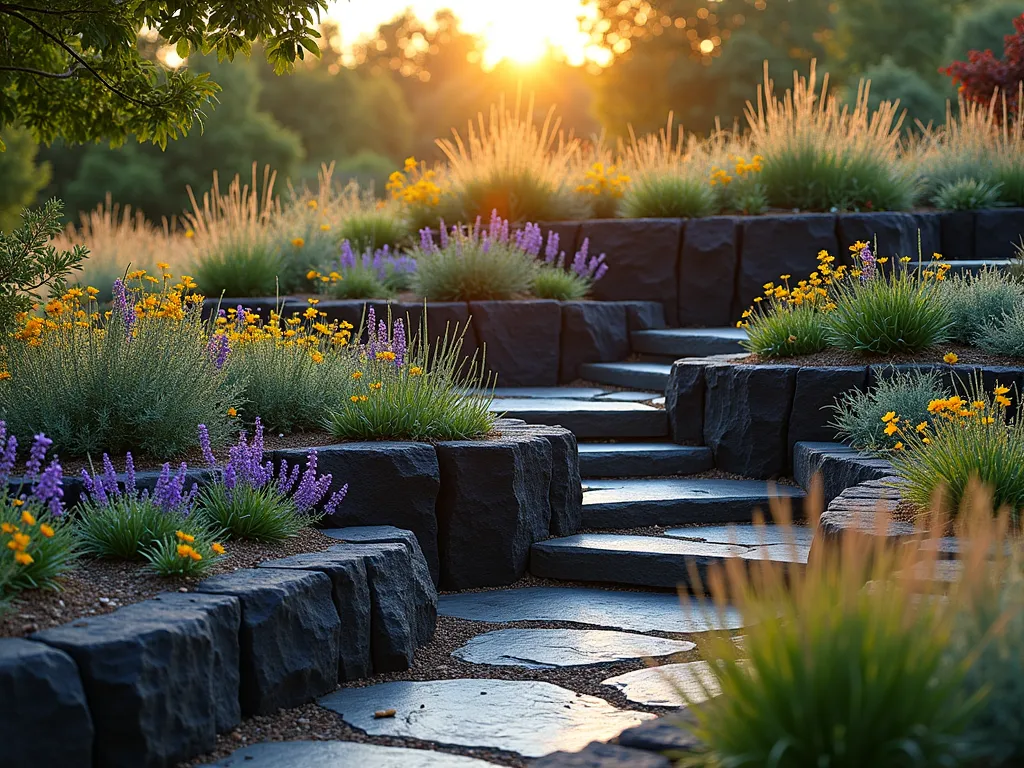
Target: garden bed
pixel 532 342
pixel 234 645
pixel 752 415
pixel 704 271
pixel 475 506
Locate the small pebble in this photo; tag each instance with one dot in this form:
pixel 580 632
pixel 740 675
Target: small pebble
pixel 302 720
pixel 104 600
pixel 183 589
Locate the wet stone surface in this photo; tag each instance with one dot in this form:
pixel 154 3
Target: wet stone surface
pixel 526 717
pixel 549 648
pixel 665 686
pixel 634 611
pixel 333 754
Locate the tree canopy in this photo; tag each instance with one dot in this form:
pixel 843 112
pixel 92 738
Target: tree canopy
pixel 73 69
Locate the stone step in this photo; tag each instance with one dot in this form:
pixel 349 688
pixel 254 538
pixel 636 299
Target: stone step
pixel 588 418
pixel 642 459
pixel 632 503
pixel 645 561
pixel 637 375
pixel 675 343
pixel 966 265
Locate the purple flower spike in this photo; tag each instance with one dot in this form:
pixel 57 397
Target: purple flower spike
pixel 218 349
pixel 40 445
pixel 10 452
pixel 398 344
pixel 49 490
pixel 868 264
pixel 204 446
pixel 123 308
pixel 336 498
pixel 129 471
pixel 371 325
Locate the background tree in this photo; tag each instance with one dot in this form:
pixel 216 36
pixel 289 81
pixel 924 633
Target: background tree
pixel 72 69
pixel 22 177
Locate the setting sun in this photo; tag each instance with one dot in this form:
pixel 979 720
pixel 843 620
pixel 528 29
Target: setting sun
pixel 521 32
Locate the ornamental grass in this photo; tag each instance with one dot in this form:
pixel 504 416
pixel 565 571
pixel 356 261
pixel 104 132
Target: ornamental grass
pixel 979 305
pixel 842 663
pixel 410 389
pixel 974 438
pixel 140 377
pixel 510 163
pixel 821 155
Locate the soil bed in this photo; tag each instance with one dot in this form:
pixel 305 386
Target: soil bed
pixel 829 357
pixel 94 587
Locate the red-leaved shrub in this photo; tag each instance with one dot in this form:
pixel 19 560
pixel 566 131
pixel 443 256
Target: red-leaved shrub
pixel 983 74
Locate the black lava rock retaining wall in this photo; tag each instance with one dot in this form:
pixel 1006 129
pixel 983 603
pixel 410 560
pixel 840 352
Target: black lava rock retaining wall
pixel 153 683
pixel 475 507
pixel 751 416
pixel 526 343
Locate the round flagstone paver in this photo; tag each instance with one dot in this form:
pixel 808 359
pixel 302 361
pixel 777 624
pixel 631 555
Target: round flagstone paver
pixel 663 686
pixel 334 754
pixel 551 648
pixel 525 716
pixel 634 611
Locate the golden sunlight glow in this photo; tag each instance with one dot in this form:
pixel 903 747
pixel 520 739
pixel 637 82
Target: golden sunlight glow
pixel 521 32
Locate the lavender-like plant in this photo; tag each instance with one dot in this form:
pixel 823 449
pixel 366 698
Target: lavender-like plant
pixel 249 500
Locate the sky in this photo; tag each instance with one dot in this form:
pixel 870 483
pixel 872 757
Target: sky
pixel 519 30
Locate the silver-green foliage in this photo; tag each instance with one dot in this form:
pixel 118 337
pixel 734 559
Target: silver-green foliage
pixel 1006 335
pixel 967 195
pixel 857 414
pixel 144 391
pixel 977 303
pixel 555 283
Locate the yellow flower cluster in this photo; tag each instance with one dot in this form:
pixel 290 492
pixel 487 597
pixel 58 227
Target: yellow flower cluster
pixel 414 185
pixel 17 537
pixel 307 329
pixel 601 180
pixel 741 168
pixel 953 409
pixel 77 308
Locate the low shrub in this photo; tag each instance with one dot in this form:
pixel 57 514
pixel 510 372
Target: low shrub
pixel 983 75
pixel 126 523
pixel 246 499
pixel 830 672
pixel 413 390
pixel 978 303
pixel 858 415
pixel 967 195
pixel 554 279
pixel 978 438
pixel 140 380
pixel 668 195
pixel 473 264
pixel 887 310
pixel 36 543
pixel 1004 336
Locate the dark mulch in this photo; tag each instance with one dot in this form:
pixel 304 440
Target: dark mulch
pixel 95 587
pixel 966 355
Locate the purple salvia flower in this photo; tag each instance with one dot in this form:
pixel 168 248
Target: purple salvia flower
pixel 240 314
pixel 109 478
pixel 443 232
pixel 230 479
pixel 204 446
pixel 10 452
pixel 40 445
pixel 371 325
pixel 382 335
pixel 427 240
pixel 868 264
pixel 347 260
pixel 95 490
pixel 123 308
pixel 129 472
pixel 398 344
pixel 49 490
pixel 218 349
pixel 336 498
pixel 551 249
